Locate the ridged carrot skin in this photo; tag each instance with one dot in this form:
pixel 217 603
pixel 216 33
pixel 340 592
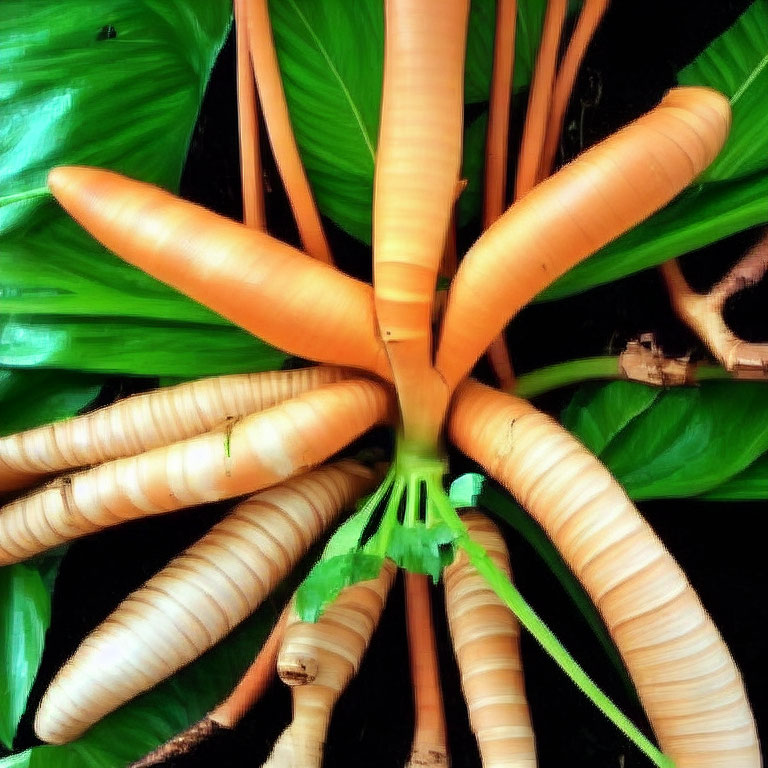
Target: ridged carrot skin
pixel 278 123
pixel 266 287
pixel 248 125
pixel 586 204
pixel 591 13
pixel 486 640
pixel 540 98
pixel 418 159
pixel 142 422
pixel 197 599
pixel 335 644
pixel 257 451
pixel 687 681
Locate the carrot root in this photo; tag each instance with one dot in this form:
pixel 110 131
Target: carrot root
pixel 686 679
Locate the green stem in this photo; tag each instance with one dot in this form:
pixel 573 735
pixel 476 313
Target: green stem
pixel 551 377
pixel 504 588
pixel 29 194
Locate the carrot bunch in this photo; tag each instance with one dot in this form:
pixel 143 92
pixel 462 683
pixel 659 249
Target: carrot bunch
pixel 307 307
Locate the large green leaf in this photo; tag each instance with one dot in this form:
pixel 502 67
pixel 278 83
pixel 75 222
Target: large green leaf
pixel 727 198
pixel 749 485
pixel 25 612
pixel 681 442
pixel 736 64
pixel 118 84
pixel 141 725
pixel 106 345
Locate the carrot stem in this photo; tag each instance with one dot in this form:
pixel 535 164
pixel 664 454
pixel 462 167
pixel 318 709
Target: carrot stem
pixel 429 740
pixel 278 122
pixel 540 99
pixel 589 18
pixel 248 125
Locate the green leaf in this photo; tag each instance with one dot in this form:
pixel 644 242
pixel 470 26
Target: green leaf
pixel 470 203
pixel 25 613
pixel 731 195
pixel 119 345
pixel 31 398
pixel 116 85
pixel 684 442
pixel 749 485
pixel 736 64
pixel 151 719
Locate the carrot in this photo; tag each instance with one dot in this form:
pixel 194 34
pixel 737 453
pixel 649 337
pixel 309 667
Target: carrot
pixel 245 275
pixel 486 640
pixel 336 644
pixel 591 13
pixel 686 679
pixel 421 127
pixel 229 712
pixel 430 744
pixel 248 125
pixel 586 204
pixel 278 122
pixel 257 451
pixel 540 98
pixel 142 422
pixel 197 599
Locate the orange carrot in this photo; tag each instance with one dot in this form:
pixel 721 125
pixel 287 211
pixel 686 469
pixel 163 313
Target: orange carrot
pixel 257 451
pixel 586 204
pixel 336 643
pixel 421 127
pixel 278 122
pixel 197 599
pixel 591 13
pixel 686 679
pixel 486 640
pixel 540 98
pixel 265 286
pixel 250 157
pixel 142 422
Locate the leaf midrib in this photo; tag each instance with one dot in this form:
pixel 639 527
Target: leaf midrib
pixel 335 73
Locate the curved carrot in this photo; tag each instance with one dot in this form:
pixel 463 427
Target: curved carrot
pixel 421 128
pixel 586 204
pixel 336 643
pixel 686 679
pixel 142 422
pixel 540 98
pixel 257 451
pixel 591 13
pixel 486 640
pixel 264 286
pixel 197 599
pixel 278 123
pixel 248 124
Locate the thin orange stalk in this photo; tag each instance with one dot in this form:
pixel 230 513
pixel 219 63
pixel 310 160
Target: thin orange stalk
pixel 248 125
pixel 496 153
pixel 589 18
pixel 540 99
pixel 429 739
pixel 278 122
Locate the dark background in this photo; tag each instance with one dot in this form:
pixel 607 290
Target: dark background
pixel 632 61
